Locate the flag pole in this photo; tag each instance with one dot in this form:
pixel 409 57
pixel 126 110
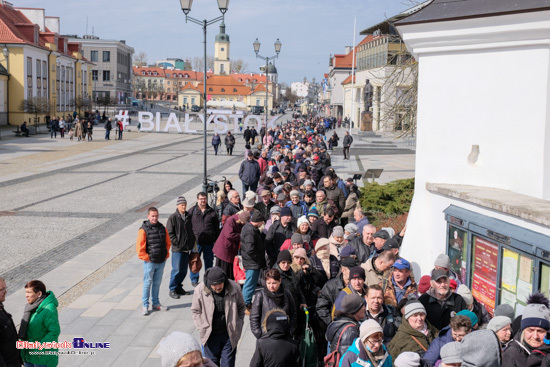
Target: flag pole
pixel 352 78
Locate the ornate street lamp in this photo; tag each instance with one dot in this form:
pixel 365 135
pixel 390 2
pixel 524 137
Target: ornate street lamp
pixel 256 44
pixel 186 8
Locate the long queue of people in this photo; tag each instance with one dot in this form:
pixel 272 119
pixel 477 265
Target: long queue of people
pixel 298 242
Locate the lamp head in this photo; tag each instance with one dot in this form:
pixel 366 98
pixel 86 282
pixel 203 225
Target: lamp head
pixel 223 5
pixel 6 51
pixel 278 45
pixel 186 6
pixel 256 45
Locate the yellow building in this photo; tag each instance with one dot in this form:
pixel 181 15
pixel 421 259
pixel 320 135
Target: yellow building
pixel 47 74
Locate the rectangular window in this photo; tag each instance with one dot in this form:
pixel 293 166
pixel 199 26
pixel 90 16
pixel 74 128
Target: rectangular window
pixel 38 75
pixel 106 75
pixel 94 75
pixel 184 100
pixel 106 56
pixel 29 77
pixel 192 100
pixel 93 56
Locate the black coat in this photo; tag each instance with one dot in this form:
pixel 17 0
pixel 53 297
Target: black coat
pixel 247 134
pixel 264 209
pixel 321 229
pixel 206 226
pixel 252 247
pixel 318 264
pixel 262 304
pixel 180 232
pixel 10 356
pixel 276 236
pixel 362 251
pixel 347 141
pixel 328 295
pixel 229 141
pixel 336 328
pixel 440 316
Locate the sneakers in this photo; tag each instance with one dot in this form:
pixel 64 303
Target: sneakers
pixel 174 295
pixel 145 311
pixel 182 292
pixel 160 307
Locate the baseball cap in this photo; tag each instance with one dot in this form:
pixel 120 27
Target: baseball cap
pixel 402 264
pixel 438 274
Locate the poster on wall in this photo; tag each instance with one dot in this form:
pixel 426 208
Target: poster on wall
pixel 456 249
pixel 484 279
pixel 509 270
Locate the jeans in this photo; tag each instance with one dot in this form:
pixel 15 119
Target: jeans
pixel 107 133
pixel 180 262
pixel 120 134
pixel 208 260
pixel 152 276
pixel 219 350
pixel 215 148
pixel 53 133
pixel 62 131
pixel 250 283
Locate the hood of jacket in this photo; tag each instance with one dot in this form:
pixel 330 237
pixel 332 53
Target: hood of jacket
pixel 276 324
pixel 480 348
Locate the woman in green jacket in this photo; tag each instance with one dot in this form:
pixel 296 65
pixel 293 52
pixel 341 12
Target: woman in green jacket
pixel 415 333
pixel 40 323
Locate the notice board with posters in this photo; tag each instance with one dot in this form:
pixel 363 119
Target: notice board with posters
pixel 457 245
pixel 516 281
pixel 484 272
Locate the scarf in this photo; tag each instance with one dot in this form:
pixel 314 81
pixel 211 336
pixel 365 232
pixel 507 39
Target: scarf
pixel 30 308
pixel 278 298
pixel 324 256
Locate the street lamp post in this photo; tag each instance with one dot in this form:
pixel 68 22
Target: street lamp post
pixel 186 8
pixel 256 45
pixel 6 53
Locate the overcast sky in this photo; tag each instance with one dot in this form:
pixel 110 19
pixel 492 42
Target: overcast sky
pixel 310 30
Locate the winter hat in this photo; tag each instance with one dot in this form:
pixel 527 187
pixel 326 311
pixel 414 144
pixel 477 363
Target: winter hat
pixel 308 182
pixel 424 284
pixel 257 217
pixel 505 310
pixel 284 256
pixel 443 261
pixel 351 303
pixel 368 328
pixel 382 234
pixel 250 195
pixel 338 231
pixel 357 272
pixel 215 275
pixel 469 314
pixel 351 228
pixel 181 200
pixel 296 238
pixel 450 353
pixel 321 242
pixel 285 212
pixel 452 284
pixel 295 193
pixel 302 220
pixel 498 322
pixel 349 262
pixel 175 346
pixel 313 213
pixel 275 209
pixel 347 251
pixel 300 252
pixel 535 315
pixel 407 359
pixel 413 307
pixel 480 349
pixel 466 294
pixel 244 216
pixel 390 231
pixel 249 203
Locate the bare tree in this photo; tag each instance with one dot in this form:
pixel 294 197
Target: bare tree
pixel 187 65
pixel 36 106
pixel 197 63
pixel 80 102
pixel 290 97
pixel 140 60
pixel 238 66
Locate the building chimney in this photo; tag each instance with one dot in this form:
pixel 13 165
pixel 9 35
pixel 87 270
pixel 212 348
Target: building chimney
pixel 348 49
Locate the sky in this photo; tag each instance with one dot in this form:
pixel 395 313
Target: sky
pixel 310 30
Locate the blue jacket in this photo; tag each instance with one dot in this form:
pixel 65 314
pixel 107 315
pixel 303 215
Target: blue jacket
pixel 445 336
pixel 356 357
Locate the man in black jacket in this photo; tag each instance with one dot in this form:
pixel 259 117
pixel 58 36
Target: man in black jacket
pixel 345 328
pixel 9 354
pixel 182 237
pixel 206 228
pixel 253 254
pixel 247 134
pixel 265 205
pixel 364 244
pixel 347 144
pixel 277 234
pixel 440 301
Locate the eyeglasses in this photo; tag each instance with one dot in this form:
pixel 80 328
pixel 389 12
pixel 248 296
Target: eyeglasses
pixel 375 342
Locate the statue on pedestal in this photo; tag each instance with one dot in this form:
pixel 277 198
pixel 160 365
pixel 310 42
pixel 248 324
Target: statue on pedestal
pixel 367 95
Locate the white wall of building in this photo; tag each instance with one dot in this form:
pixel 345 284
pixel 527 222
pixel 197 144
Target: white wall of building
pixel 483 82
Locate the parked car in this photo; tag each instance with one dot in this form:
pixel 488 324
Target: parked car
pixel 257 110
pixel 195 108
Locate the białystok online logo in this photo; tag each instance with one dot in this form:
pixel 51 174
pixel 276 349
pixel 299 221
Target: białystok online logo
pixel 78 343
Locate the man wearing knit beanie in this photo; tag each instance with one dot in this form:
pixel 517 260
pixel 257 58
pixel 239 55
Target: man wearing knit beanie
pixel 277 234
pixel 356 285
pixel 501 325
pixel 182 238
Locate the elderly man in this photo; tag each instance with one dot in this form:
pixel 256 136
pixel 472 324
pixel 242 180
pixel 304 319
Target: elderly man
pixel 402 284
pixel 234 205
pixel 10 356
pixel 265 205
pixel 323 226
pixel 334 193
pixel 380 239
pixel 277 234
pixel 360 219
pixel 297 207
pixel 377 269
pixel 364 244
pixel 440 302
pixel 444 262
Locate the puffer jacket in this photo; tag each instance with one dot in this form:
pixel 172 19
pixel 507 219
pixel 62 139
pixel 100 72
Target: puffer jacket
pixel 351 204
pixel 445 336
pixel 356 356
pixel 43 327
pixel 327 297
pixel 262 304
pixel 403 340
pixel 230 141
pixel 290 282
pixel 336 328
pixel 202 310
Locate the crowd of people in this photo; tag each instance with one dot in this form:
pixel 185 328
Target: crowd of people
pixel 295 253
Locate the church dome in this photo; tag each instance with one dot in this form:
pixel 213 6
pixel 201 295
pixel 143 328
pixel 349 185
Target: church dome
pixel 222 36
pixel 271 69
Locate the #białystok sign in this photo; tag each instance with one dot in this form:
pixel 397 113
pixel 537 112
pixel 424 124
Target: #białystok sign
pixel 222 122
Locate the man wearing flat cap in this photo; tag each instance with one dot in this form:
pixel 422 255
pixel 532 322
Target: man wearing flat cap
pixel 218 310
pixel 380 239
pixel 278 233
pixel 265 204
